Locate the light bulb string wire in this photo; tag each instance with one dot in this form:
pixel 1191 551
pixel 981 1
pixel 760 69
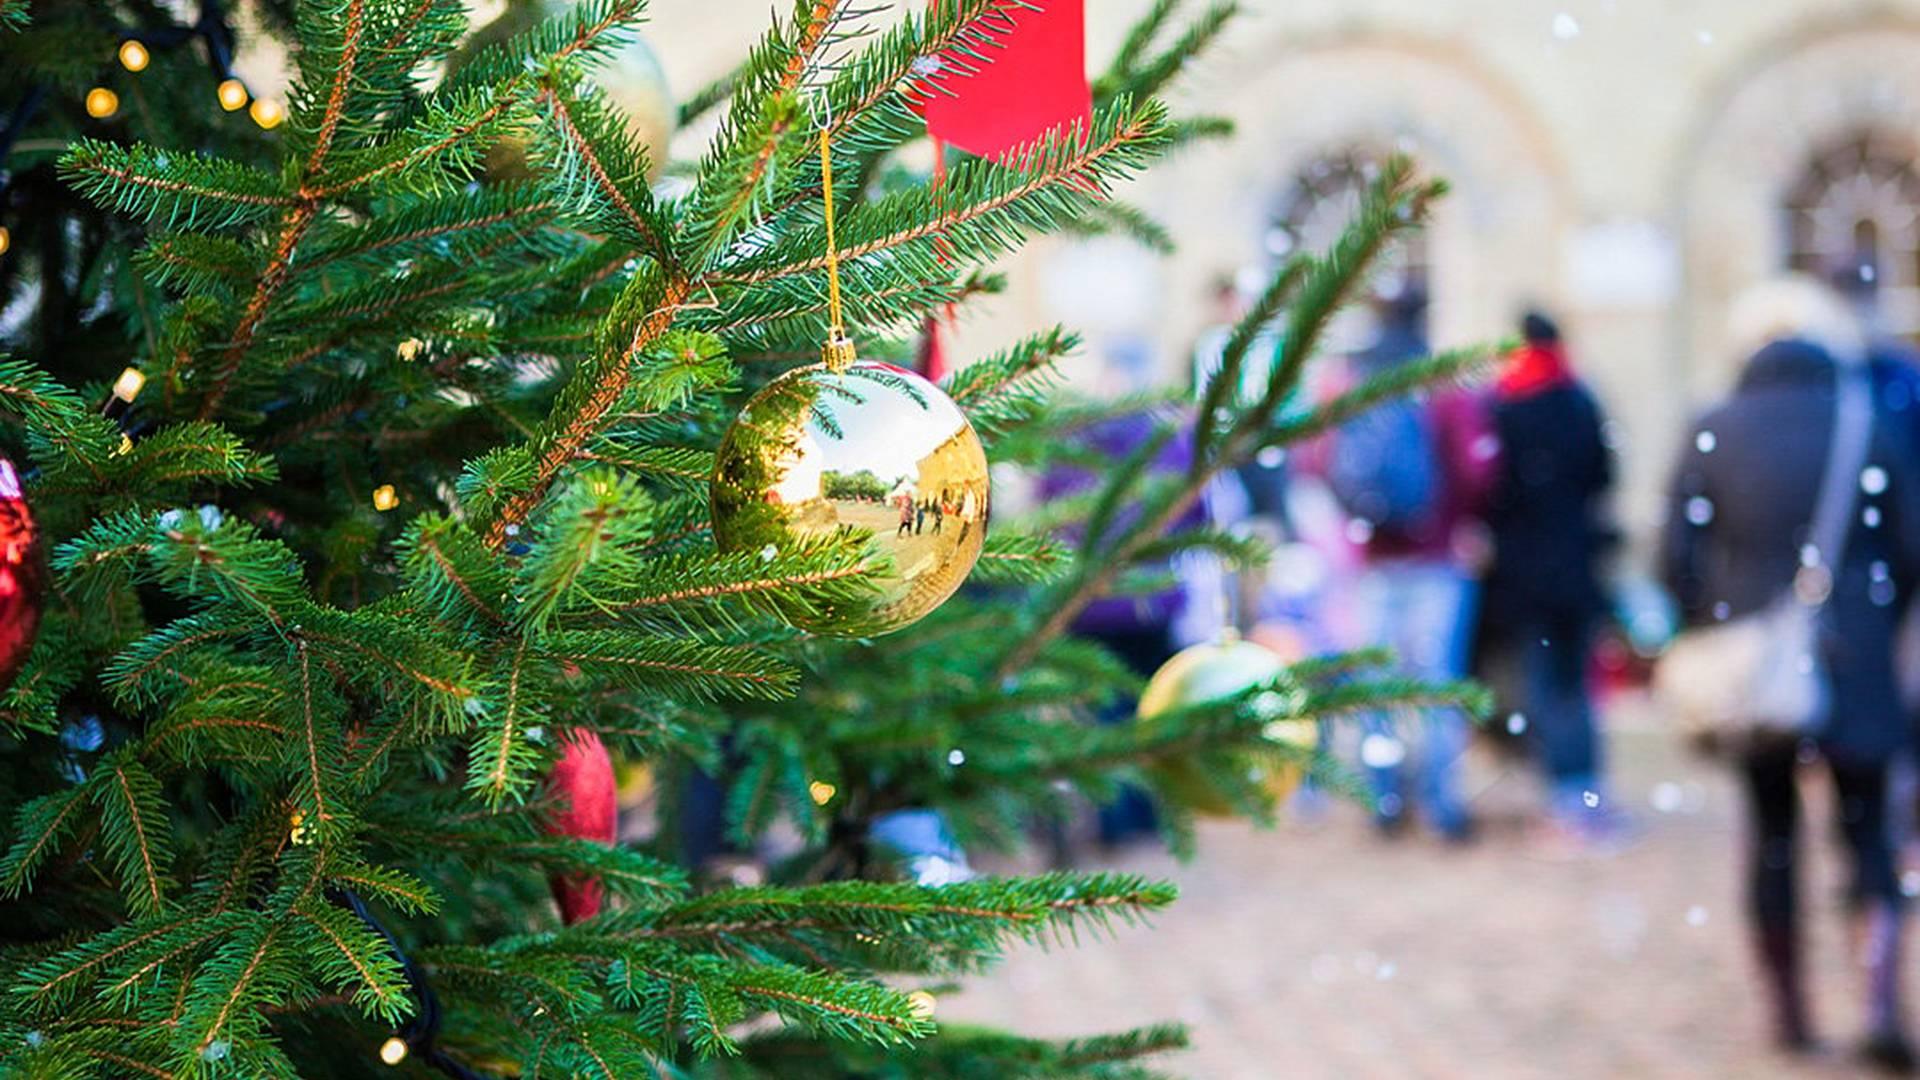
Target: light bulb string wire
pixel 210 27
pixel 422 1029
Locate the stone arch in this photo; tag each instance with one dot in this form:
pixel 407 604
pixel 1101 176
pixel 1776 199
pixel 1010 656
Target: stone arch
pixel 1770 119
pixel 1494 241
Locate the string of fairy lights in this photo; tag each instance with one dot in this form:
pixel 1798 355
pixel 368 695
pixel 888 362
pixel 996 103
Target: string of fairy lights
pixel 134 54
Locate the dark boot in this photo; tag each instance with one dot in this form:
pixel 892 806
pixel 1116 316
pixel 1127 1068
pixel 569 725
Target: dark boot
pixel 1779 949
pixel 1886 1046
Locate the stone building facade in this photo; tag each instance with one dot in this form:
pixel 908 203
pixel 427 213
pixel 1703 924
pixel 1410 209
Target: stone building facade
pixel 1628 164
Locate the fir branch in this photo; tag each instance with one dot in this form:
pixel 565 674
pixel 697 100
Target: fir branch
pixel 984 207
pixel 502 757
pixel 1011 558
pixel 177 191
pixel 348 954
pixel 597 145
pixel 135 831
pixel 577 417
pixel 293 227
pixel 341 77
pixel 40 827
pixel 1396 382
pixel 682 668
pixel 1225 380
pixel 452 571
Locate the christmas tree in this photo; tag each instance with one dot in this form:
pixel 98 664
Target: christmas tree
pixel 403 498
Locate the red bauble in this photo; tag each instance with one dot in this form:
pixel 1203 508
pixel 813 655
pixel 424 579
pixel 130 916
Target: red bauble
pixel 23 575
pixel 582 781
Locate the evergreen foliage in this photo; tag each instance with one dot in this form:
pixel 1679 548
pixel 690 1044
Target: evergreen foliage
pixel 266 723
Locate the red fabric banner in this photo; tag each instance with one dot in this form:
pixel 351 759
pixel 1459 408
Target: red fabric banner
pixel 1036 81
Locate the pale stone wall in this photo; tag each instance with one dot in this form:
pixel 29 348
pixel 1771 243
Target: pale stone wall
pixel 1620 161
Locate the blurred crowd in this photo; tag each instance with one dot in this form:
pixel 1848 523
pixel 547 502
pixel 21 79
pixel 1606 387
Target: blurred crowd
pixel 1467 529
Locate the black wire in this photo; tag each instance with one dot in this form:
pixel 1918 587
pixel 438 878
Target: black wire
pixel 423 1027
pixel 20 117
pixel 211 27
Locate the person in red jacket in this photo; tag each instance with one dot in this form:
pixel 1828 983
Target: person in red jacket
pixel 1543 593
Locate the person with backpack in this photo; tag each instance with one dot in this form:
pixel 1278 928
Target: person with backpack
pixel 1543 594
pixel 1412 477
pixel 1798 496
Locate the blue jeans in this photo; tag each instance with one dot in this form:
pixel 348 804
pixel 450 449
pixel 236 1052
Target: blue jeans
pixel 1553 662
pixel 1423 610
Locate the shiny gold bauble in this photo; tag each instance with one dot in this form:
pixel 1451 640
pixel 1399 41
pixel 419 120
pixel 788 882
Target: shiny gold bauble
pixel 636 86
pixel 631 78
pixel 874 452
pixel 1200 675
pixel 1214 671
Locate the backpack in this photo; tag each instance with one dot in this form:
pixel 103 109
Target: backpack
pixel 1384 470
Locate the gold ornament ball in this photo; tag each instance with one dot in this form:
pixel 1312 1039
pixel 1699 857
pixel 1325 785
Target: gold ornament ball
pixel 1209 672
pixel 631 78
pixel 1199 675
pixel 636 86
pixel 874 451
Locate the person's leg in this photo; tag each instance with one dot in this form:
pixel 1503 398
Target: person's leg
pixel 1376 611
pixel 1554 660
pixel 1439 616
pixel 1773 804
pixel 1861 792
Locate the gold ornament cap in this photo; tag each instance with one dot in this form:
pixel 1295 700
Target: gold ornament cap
pixel 838 353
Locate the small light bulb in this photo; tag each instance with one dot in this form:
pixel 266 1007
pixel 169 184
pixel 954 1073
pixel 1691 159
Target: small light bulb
pixel 102 103
pixel 298 833
pixel 133 55
pixel 394 1050
pixel 922 1004
pixel 821 792
pixel 267 114
pixel 233 95
pixel 128 385
pixel 385 498
pixel 6 239
pixel 410 349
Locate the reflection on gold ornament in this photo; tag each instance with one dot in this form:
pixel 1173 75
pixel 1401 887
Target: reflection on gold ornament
pixel 872 451
pixel 1200 675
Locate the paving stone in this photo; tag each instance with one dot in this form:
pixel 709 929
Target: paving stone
pixel 1318 950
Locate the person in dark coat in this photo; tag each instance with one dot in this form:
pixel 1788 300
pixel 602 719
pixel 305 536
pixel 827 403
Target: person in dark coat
pixel 1543 593
pixel 1741 509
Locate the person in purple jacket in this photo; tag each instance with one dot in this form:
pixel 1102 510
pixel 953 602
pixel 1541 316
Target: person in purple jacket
pixel 1412 475
pixel 1137 629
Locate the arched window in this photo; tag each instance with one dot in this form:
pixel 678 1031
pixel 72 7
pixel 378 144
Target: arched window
pixel 1854 218
pixel 1323 198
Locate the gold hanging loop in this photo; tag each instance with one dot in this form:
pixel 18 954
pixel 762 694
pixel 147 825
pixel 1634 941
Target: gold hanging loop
pixel 838 352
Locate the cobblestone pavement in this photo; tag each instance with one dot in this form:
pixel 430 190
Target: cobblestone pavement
pixel 1316 949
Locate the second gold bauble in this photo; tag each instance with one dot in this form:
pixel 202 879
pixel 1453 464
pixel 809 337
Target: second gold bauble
pixel 1204 674
pixel 872 451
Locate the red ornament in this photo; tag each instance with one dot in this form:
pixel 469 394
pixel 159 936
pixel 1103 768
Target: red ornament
pixel 1034 80
pixel 23 575
pixel 582 778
